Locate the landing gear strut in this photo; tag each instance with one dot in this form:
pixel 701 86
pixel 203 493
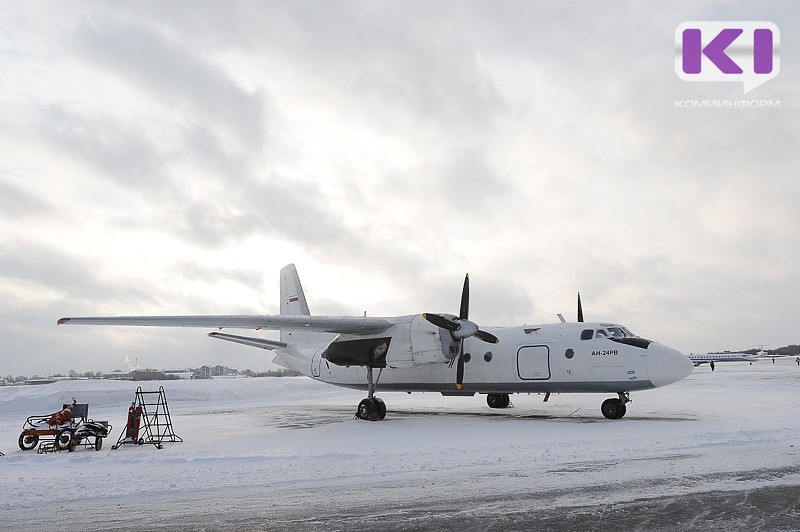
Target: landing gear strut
pixel 498 400
pixel 371 408
pixel 615 408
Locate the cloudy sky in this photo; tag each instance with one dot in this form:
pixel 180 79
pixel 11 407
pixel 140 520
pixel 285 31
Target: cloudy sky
pixel 170 158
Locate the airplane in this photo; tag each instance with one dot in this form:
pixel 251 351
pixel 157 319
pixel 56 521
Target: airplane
pixel 416 353
pixel 712 358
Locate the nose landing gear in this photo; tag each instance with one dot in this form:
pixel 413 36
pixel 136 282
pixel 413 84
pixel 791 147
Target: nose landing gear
pixel 615 408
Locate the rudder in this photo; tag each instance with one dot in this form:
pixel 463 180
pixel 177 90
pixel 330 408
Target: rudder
pixel 293 300
pixel 293 303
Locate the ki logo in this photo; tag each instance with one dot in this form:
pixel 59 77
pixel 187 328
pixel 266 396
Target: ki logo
pixel 743 51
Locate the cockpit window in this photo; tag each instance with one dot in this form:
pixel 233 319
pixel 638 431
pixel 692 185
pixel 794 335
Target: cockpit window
pixel 587 334
pixel 616 332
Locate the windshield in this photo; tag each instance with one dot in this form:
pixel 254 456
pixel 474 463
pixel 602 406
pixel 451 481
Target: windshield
pixel 615 331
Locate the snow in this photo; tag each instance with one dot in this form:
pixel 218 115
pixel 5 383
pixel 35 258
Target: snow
pixel 286 453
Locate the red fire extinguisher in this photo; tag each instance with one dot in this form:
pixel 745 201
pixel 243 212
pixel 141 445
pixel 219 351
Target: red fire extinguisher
pixel 134 418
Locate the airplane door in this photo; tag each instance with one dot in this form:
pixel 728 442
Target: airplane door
pixel 533 362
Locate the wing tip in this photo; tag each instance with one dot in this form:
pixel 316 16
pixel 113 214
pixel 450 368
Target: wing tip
pixel 62 321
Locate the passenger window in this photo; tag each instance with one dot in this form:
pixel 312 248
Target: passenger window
pixel 587 334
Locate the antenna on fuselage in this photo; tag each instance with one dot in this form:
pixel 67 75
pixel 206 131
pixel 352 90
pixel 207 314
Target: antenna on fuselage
pixel 580 309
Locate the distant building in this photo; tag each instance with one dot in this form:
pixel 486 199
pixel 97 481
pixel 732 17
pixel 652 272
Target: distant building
pixel 178 373
pixel 208 372
pixel 117 376
pixel 146 375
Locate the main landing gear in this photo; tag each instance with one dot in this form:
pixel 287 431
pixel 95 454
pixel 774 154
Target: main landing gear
pixel 371 408
pixel 498 400
pixel 615 408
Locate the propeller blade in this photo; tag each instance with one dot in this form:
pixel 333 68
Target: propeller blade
pixel 460 368
pixel 461 328
pixel 441 321
pixel 487 337
pixel 580 309
pixel 464 313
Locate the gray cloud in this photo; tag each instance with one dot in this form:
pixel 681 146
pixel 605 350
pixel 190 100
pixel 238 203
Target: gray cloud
pixel 174 74
pixel 400 144
pixel 18 204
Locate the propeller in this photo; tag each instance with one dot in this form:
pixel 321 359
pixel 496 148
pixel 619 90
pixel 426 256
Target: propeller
pixel 460 327
pixel 580 309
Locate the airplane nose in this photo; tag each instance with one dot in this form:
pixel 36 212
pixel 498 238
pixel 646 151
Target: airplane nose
pixel 666 365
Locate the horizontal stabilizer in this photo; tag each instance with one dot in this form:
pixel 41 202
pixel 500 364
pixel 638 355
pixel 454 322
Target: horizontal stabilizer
pixel 254 342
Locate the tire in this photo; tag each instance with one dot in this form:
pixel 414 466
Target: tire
pixel 27 441
pixel 74 443
pixel 380 407
pixel 494 400
pixel 364 409
pixel 613 408
pixel 497 400
pixel 98 443
pixel 64 438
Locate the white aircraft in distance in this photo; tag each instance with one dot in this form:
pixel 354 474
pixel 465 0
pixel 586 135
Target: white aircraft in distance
pixel 417 353
pixel 712 358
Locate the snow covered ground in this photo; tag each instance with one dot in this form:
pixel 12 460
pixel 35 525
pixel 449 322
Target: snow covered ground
pixel 716 451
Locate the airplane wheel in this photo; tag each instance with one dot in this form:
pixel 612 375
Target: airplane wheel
pixel 365 408
pixel 497 400
pixel 371 410
pixel 380 408
pixel 613 408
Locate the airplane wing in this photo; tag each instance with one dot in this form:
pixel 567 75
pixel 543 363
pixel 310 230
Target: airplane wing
pixel 329 324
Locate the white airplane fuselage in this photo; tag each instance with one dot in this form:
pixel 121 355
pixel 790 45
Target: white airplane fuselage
pixel 541 358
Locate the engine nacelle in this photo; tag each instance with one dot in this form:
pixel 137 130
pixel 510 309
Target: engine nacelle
pixel 412 341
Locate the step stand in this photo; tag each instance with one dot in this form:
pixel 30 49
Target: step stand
pixel 149 421
pixel 47 447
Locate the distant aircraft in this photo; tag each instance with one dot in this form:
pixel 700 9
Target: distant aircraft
pixel 712 358
pixel 416 353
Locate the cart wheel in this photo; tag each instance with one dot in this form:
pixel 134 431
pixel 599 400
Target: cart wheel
pixel 98 443
pixel 63 438
pixel 74 443
pixel 27 441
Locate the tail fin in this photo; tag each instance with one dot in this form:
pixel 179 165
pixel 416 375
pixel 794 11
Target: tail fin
pixel 293 300
pixel 293 303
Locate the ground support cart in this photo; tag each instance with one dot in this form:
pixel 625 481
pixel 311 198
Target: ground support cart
pixel 64 430
pixel 90 434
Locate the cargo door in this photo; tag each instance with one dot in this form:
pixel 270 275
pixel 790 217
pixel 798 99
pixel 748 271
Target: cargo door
pixel 533 362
